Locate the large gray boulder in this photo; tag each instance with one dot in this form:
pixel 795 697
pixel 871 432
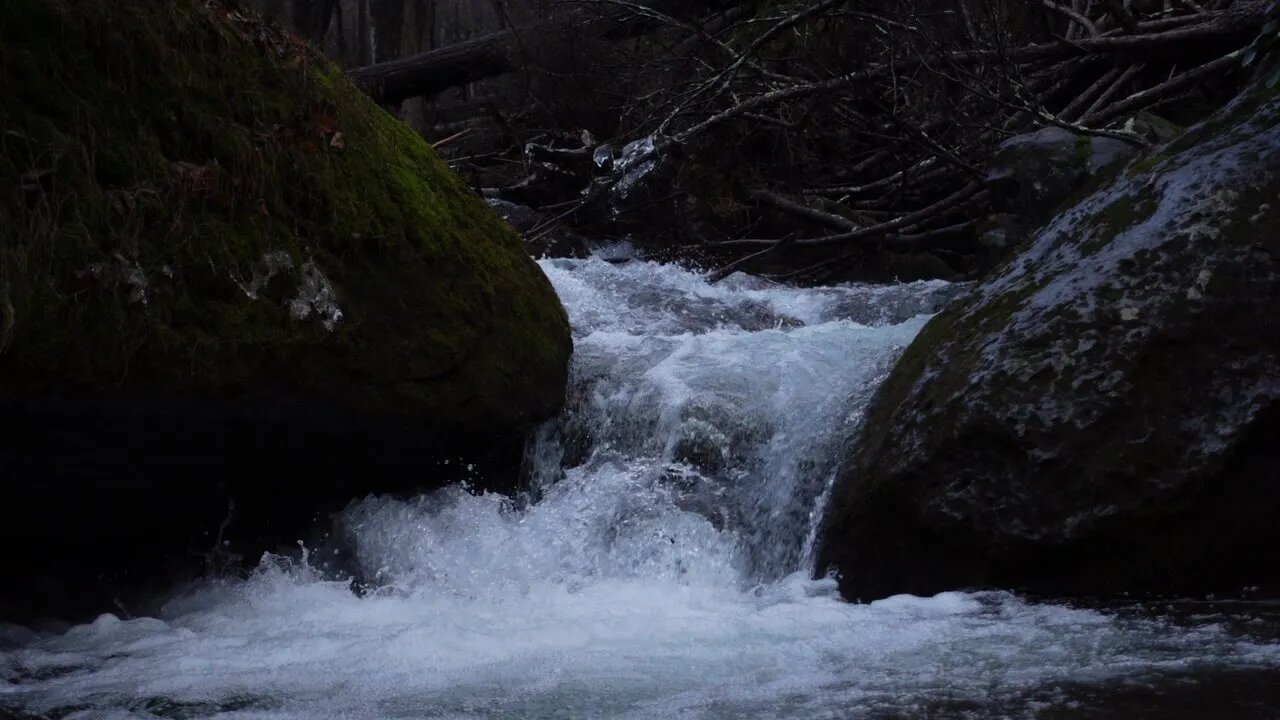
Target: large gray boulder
pixel 1031 174
pixel 1103 413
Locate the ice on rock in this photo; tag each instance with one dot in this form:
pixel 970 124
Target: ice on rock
pixel 639 159
pixel 602 158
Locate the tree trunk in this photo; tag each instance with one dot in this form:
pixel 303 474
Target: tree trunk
pixel 496 53
pixel 436 70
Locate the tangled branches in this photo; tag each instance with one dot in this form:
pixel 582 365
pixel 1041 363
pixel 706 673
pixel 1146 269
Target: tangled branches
pixel 809 131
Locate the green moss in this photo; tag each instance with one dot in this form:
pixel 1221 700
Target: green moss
pixel 1222 122
pixel 176 144
pixel 1084 149
pixel 951 334
pixel 1118 216
pixel 1146 164
pixel 946 334
pixel 906 372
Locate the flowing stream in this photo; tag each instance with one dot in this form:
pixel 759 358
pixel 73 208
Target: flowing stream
pixel 659 565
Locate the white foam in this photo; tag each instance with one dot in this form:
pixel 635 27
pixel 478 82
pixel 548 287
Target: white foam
pixel 640 584
pixel 286 645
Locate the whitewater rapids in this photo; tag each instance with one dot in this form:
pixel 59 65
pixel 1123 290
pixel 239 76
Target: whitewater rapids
pixel 659 564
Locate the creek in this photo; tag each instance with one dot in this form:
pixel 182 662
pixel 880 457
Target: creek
pixel 659 564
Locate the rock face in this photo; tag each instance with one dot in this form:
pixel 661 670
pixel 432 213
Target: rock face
pixel 228 278
pixel 1032 174
pixel 1101 414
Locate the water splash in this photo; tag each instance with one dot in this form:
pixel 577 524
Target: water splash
pixel 657 569
pixel 733 402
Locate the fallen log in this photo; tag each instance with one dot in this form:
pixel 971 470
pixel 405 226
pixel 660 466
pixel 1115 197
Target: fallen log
pixel 501 52
pixel 431 72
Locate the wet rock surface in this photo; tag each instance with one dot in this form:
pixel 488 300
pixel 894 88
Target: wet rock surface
pixel 238 281
pixel 1031 174
pixel 110 502
pixel 1100 414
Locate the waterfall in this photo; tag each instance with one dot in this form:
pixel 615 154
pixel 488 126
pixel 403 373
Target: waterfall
pixel 732 403
pixel 703 423
pixel 658 563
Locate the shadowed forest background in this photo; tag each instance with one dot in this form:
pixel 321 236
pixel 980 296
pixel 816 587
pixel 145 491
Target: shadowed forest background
pixel 807 141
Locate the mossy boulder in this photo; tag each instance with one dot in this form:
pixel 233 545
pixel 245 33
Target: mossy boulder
pixel 214 248
pixel 192 199
pixel 1100 414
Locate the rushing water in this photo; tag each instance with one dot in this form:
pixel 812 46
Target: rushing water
pixel 658 566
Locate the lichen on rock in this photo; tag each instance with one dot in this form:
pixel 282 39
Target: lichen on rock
pixel 1033 173
pixel 1088 419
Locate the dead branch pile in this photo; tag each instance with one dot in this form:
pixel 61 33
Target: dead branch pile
pixel 807 132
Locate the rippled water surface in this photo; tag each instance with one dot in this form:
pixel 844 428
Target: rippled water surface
pixel 658 567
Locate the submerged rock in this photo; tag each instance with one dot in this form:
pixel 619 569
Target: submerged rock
pixel 1100 415
pixel 226 276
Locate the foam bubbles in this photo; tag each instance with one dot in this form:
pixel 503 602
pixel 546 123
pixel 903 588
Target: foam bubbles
pixel 658 567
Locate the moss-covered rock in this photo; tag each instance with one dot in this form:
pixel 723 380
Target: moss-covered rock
pixel 1100 414
pixel 229 280
pixel 193 200
pixel 1033 174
